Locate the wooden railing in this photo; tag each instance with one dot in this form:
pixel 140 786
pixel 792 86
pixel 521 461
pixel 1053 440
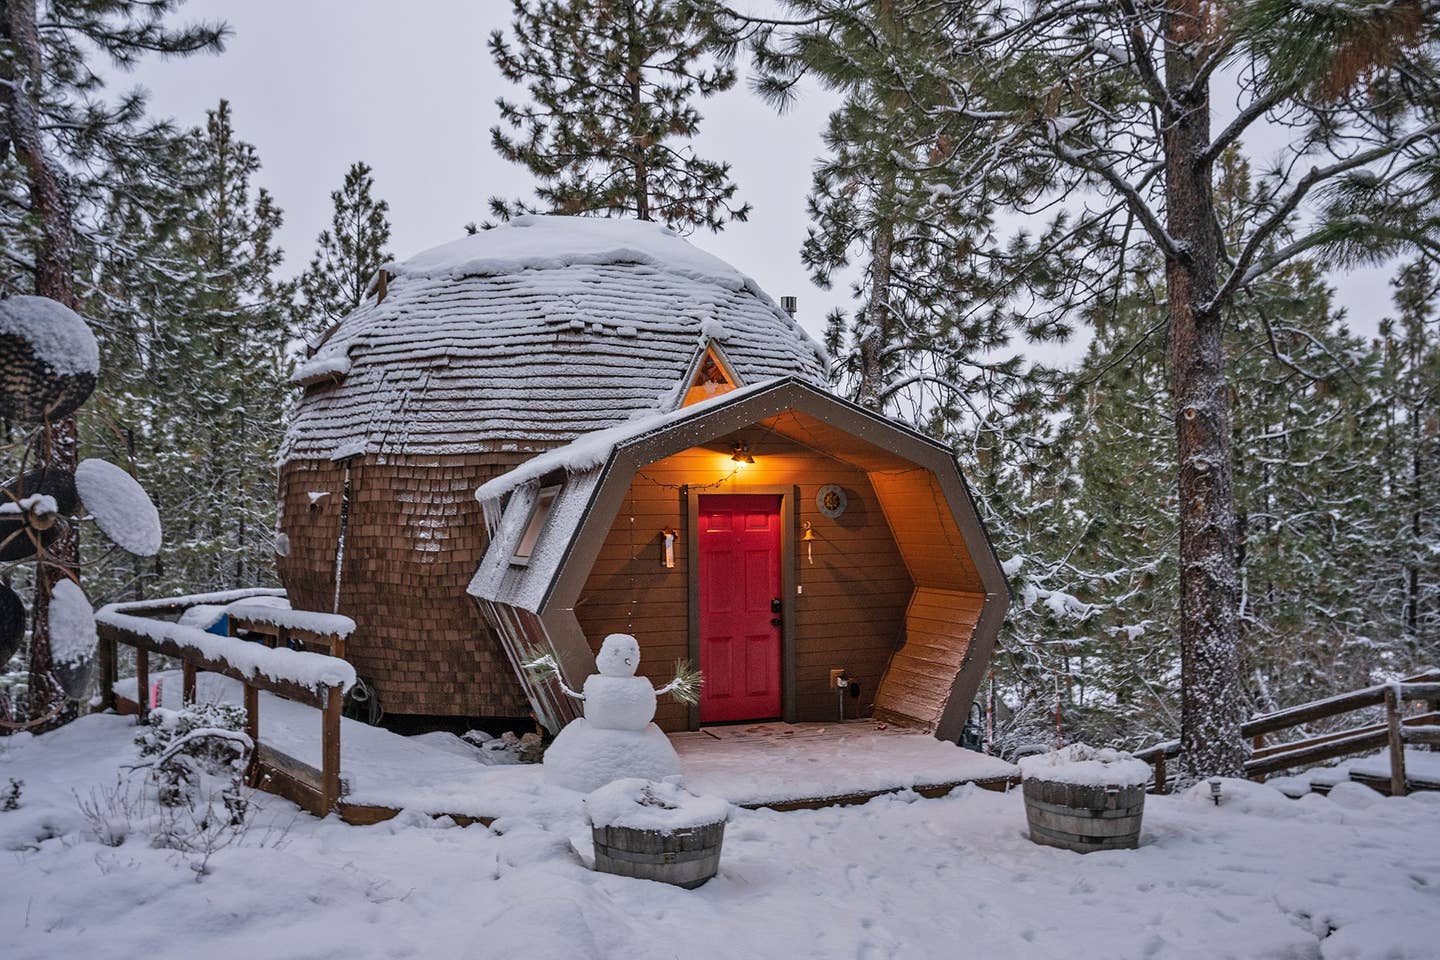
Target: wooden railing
pixel 1393 733
pixel 256 668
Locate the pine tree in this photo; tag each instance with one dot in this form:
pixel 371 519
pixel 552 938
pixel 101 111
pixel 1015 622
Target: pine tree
pixel 64 149
pixel 608 131
pixel 1411 429
pixel 1103 114
pixel 349 253
pixel 199 346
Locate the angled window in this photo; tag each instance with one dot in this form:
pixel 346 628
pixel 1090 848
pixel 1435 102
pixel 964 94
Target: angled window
pixel 711 375
pixel 539 513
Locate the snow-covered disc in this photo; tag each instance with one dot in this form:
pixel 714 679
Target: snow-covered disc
pixel 49 360
pixel 12 623
pixel 120 507
pixel 72 637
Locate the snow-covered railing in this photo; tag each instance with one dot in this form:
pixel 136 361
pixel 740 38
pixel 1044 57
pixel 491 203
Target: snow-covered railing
pixel 283 627
pixel 310 678
pixel 1394 732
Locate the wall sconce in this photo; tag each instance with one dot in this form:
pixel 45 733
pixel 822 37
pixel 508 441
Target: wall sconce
pixel 669 536
pixel 807 537
pixel 742 455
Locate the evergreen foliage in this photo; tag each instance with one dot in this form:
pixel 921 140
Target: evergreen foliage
pixel 1092 123
pixel 611 117
pixel 348 254
pixel 195 344
pixel 65 152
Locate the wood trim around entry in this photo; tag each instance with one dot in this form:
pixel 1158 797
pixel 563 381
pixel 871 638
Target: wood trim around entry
pixel 690 502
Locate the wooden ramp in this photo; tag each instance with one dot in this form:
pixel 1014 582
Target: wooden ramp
pixel 777 766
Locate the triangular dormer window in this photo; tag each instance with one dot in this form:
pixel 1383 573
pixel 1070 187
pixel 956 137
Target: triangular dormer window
pixel 710 375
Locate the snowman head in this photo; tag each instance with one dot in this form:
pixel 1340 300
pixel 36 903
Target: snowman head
pixel 619 656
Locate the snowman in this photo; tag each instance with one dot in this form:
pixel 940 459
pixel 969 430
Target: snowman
pixel 617 737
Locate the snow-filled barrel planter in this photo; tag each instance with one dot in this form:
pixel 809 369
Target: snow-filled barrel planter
pixel 1084 799
pixel 655 830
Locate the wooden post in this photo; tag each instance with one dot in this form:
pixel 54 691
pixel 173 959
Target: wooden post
pixel 252 717
pixel 330 748
pixel 1258 742
pixel 109 650
pixel 1397 743
pixel 188 680
pixel 142 682
pixel 1160 775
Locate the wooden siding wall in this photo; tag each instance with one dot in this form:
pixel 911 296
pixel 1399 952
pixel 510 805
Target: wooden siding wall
pixel 850 613
pixel 414 539
pixel 939 626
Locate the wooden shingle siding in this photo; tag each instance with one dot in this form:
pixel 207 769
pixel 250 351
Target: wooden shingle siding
pixel 850 613
pixel 414 538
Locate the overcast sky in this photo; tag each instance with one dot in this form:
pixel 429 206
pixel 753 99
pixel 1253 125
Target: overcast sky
pixel 410 89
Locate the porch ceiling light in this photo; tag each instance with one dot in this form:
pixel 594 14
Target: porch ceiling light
pixel 742 454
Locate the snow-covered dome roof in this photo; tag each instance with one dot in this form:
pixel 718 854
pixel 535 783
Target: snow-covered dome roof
pixel 528 335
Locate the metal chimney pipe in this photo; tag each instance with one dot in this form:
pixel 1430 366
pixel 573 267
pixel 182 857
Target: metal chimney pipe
pixel 788 305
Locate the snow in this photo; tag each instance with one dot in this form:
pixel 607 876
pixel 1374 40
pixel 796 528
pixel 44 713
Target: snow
pixel 778 763
pixel 1087 766
pixel 222 597
pixel 41 504
pixel 1260 877
pixel 319 367
pixel 56 333
pixel 120 507
pixel 652 805
pixel 311 620
pixel 593 449
pixel 585 757
pixel 569 326
pixel 312 670
pixel 1421 766
pixel 202 616
pixel 550 242
pixel 72 624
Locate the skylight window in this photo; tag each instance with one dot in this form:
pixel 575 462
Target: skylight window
pixel 539 513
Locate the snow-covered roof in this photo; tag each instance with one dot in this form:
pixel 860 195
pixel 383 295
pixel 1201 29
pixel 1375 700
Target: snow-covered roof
pixel 528 335
pixel 593 449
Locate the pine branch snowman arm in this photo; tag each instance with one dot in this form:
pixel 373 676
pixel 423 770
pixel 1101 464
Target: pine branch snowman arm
pixel 686 685
pixel 542 666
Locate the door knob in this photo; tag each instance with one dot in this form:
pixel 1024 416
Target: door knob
pixel 774 621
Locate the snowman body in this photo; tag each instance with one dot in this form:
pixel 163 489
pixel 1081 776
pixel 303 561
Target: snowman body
pixel 619 703
pixel 616 738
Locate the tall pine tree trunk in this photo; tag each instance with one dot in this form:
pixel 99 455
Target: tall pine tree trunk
pixel 51 206
pixel 1210 704
pixel 879 320
pixel 637 116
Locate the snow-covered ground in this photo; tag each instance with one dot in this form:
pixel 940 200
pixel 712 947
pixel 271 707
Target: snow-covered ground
pixel 1351 875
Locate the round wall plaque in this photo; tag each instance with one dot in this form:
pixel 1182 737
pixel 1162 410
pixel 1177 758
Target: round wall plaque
pixel 830 501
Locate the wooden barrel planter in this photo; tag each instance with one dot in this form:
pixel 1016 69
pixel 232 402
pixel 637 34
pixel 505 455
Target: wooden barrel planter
pixel 1085 800
pixel 653 830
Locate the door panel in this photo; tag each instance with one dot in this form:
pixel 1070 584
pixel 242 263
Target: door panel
pixel 739 580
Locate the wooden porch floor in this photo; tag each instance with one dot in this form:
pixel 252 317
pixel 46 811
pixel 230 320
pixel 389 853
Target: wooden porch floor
pixel 775 765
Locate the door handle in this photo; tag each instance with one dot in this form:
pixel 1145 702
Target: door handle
pixel 774 621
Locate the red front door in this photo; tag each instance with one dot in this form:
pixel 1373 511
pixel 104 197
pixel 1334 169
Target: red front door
pixel 739 591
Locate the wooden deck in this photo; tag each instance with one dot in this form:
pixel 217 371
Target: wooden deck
pixel 775 766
